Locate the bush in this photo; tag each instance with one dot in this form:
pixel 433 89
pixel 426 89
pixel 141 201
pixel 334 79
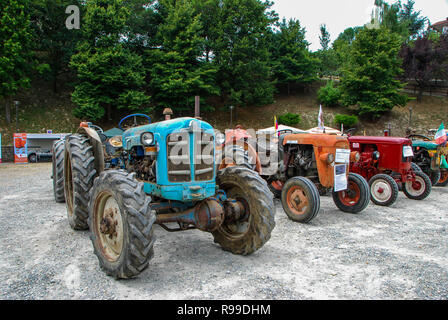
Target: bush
pixel 289 119
pixel 347 120
pixel 329 95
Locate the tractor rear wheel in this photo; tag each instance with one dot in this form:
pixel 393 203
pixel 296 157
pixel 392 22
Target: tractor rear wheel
pixel 357 196
pixel 251 232
pixel 121 224
pixel 383 190
pixel 418 189
pixel 58 170
pixel 300 199
pixel 443 181
pixel 434 176
pixel 276 187
pixel 79 172
pixel 235 155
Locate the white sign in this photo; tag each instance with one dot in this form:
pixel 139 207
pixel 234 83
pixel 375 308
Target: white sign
pixel 407 151
pixel 342 156
pixel 340 177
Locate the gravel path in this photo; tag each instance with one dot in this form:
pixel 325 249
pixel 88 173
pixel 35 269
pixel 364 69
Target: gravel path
pixel 383 253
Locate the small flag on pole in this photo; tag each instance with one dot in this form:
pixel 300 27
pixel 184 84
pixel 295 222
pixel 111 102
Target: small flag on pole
pixel 320 120
pixel 275 124
pixel 440 136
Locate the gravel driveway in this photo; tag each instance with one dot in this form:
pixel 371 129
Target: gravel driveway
pixel 383 253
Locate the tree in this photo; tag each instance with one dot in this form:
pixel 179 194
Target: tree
pixel 56 43
pixel 110 75
pixel 175 67
pixel 16 57
pixel 369 81
pixel 292 61
pixel 324 37
pixel 238 40
pixel 425 60
pixel 416 23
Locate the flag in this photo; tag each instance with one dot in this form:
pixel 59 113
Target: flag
pixel 440 136
pixel 275 124
pixel 320 119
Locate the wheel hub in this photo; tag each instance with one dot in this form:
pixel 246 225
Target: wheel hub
pixel 381 190
pixel 108 223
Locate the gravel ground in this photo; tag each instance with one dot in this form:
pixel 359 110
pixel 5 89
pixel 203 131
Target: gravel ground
pixel 383 253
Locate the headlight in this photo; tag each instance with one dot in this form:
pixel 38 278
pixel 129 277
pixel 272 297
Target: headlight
pixel 147 139
pixel 376 155
pixel 220 138
pixel 330 158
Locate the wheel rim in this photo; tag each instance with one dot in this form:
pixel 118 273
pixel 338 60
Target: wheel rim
pixel 351 196
pixel 381 190
pixel 237 229
pixel 68 181
pixel 443 177
pixel 416 187
pixel 108 226
pixel 297 200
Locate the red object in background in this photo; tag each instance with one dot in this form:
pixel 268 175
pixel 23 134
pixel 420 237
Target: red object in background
pixel 20 148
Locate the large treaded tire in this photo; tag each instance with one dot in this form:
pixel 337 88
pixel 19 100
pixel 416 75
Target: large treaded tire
pixel 364 195
pixel 137 220
pixel 239 156
pixel 443 181
pixel 415 167
pixel 79 173
pixel 434 176
pixel 310 196
pixel 58 170
pixel 239 182
pixel 425 192
pixel 391 187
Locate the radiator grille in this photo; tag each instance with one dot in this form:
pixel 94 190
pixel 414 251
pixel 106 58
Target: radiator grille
pixel 204 157
pixel 178 157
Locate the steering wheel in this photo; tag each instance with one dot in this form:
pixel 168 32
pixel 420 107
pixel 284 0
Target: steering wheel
pixel 135 124
pixel 284 131
pixel 418 137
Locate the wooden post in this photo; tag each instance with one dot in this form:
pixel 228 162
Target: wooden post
pixel 197 106
pixel 17 115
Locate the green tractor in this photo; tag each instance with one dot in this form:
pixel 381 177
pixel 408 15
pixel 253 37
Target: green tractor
pixel 430 158
pixel 161 173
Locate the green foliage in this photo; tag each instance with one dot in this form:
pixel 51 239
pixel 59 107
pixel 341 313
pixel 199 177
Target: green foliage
pixel 292 61
pixel 329 95
pixel 237 45
pixel 16 57
pixel 348 121
pixel 324 37
pixel 110 75
pixel 177 74
pixel 56 42
pixel 369 81
pixel 289 119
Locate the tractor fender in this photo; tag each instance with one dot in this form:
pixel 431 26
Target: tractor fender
pixel 95 141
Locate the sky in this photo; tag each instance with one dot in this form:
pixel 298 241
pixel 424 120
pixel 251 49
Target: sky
pixel 341 14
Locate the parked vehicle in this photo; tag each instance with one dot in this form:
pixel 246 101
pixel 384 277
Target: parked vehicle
pixel 386 162
pixel 430 158
pixel 308 165
pixel 38 154
pixel 160 173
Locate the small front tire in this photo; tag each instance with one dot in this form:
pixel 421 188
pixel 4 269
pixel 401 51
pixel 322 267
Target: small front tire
pixel 300 199
pixel 418 189
pixel 383 190
pixel 357 196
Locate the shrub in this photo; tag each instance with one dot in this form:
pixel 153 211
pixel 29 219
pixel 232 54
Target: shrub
pixel 289 119
pixel 347 120
pixel 329 95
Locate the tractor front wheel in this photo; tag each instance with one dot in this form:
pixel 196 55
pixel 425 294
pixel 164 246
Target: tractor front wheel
pixel 443 181
pixel 383 190
pixel 249 233
pixel 58 170
pixel 79 172
pixel 357 196
pixel 419 188
pixel 121 224
pixel 276 187
pixel 300 199
pixel 434 176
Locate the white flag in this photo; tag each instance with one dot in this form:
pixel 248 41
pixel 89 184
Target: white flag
pixel 321 119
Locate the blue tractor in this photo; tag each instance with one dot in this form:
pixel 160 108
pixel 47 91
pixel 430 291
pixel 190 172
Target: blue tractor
pixel 161 173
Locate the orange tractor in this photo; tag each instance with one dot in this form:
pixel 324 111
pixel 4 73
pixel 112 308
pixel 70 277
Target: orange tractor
pixel 300 166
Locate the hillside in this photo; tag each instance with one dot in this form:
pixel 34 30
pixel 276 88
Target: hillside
pixel 41 109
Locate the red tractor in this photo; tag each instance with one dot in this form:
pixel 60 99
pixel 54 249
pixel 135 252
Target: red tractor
pixel 385 162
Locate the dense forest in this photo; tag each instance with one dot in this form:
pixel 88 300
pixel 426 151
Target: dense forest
pixel 141 55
